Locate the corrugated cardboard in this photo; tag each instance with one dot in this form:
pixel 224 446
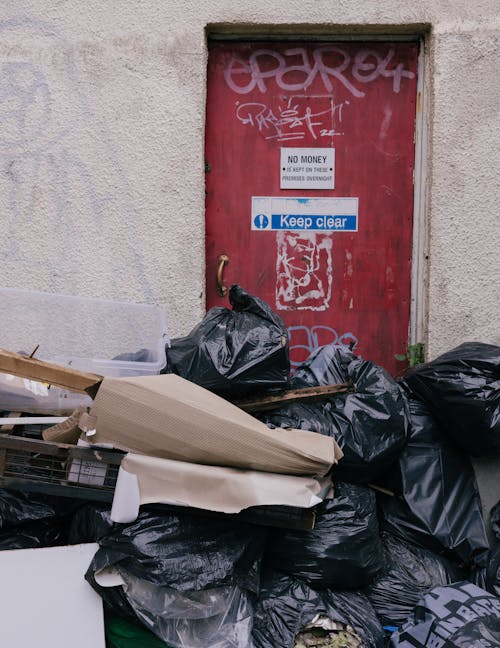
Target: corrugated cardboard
pixel 147 480
pixel 169 417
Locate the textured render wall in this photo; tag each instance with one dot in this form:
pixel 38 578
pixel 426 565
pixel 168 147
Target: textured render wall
pixel 101 146
pixel 464 297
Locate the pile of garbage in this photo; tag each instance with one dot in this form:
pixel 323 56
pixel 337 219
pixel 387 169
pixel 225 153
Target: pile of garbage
pixel 398 554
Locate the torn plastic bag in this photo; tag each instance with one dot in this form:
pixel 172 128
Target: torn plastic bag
pixel 234 352
pixel 437 504
pixel 343 551
pixel 369 425
pixel 455 616
pixel 325 633
pixel 410 572
pixel 212 618
pixel 462 390
pixel 185 551
pixel 285 606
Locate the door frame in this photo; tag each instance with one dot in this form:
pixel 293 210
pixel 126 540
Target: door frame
pixel 418 322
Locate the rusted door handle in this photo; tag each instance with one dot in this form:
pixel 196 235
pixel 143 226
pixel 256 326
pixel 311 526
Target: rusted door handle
pixel 223 261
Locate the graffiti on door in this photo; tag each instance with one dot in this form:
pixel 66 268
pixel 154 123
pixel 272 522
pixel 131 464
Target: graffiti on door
pixel 295 119
pixel 303 271
pixel 305 339
pixel 331 64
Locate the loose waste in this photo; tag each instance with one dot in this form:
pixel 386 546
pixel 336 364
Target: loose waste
pixel 399 554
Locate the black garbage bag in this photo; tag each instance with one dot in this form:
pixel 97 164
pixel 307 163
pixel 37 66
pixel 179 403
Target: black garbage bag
pixel 29 520
pixel 495 520
pixel 369 425
pixel 186 551
pixel 49 532
pixel 410 572
pixel 189 578
pixel 90 523
pixel 234 352
pixel 437 504
pixel 455 616
pixel 17 507
pixel 286 605
pixel 462 390
pixel 487 573
pixel 343 551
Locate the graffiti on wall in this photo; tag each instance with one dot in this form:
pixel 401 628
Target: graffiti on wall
pixel 61 181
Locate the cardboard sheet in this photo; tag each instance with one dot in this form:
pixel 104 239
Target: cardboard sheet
pixel 148 480
pixel 169 417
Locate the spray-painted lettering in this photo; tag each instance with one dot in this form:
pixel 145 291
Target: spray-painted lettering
pixel 293 120
pixel 295 69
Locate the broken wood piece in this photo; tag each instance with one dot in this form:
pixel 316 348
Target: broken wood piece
pixel 66 431
pixel 380 489
pixel 48 372
pixel 303 395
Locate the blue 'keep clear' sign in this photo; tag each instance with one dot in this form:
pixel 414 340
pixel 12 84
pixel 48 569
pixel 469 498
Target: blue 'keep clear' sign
pixel 270 213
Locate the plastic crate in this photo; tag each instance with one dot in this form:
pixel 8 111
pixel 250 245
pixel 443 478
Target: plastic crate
pixel 58 469
pixel 110 338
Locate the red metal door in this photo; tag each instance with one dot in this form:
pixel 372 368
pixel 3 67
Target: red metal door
pixel 335 270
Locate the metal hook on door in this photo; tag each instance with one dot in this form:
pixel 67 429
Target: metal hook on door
pixel 222 261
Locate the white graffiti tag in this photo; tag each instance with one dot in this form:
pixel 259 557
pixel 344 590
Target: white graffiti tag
pixel 331 64
pixel 292 121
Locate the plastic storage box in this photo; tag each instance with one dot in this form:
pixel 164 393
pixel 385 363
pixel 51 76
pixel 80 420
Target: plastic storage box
pixel 110 338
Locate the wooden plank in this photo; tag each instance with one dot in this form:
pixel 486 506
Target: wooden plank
pixel 48 372
pixel 303 395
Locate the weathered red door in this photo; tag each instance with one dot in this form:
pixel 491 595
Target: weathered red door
pixel 309 187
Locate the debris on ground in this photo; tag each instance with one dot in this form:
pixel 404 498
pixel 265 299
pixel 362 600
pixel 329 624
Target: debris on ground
pixel 237 504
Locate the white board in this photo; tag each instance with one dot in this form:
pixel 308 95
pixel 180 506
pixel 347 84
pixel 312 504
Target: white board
pixel 45 600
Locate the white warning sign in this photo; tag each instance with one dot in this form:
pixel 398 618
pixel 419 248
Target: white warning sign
pixel 307 168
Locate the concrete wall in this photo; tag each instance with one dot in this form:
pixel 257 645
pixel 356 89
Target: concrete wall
pixel 101 146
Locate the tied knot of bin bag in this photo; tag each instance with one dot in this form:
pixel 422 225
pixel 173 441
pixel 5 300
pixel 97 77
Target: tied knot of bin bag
pixel 234 352
pixel 370 425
